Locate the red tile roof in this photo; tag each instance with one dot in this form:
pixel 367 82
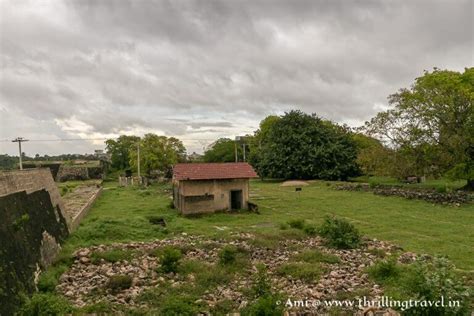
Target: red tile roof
pixel 211 171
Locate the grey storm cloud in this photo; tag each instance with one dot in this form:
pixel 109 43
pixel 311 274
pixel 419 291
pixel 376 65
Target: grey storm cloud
pixel 212 68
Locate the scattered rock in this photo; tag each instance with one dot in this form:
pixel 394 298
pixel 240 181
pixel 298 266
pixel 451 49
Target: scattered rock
pixel 348 275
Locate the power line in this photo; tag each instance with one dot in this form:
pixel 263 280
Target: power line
pixel 89 139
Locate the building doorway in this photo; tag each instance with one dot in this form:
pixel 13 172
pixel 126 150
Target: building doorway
pixel 235 199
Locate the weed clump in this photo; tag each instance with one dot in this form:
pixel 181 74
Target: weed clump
pixel 170 259
pixel 113 255
pixel 339 233
pixel 46 304
pixel 119 282
pixel 261 284
pixel 310 230
pixel 227 255
pixel 424 280
pixel 314 256
pixel 266 302
pixel 384 270
pixel 304 271
pixel 297 223
pixel 432 279
pixel 283 226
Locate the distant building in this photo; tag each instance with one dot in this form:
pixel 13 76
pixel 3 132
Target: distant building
pixel 99 153
pixel 209 187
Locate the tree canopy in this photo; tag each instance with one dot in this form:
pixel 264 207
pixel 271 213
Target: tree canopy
pixel 119 150
pixel 157 153
pixel 431 125
pixel 222 150
pixel 301 146
pixel 373 157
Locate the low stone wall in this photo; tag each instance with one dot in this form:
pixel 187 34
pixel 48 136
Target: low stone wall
pixel 76 220
pixel 53 167
pixel 430 195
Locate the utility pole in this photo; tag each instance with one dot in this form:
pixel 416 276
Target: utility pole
pixel 19 140
pixel 138 158
pixel 235 151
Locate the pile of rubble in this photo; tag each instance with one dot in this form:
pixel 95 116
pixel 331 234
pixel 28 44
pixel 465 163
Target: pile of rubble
pixel 455 198
pixel 85 282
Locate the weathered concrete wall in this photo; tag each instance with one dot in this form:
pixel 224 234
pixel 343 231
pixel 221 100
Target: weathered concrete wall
pixel 31 231
pixel 53 166
pixel 207 196
pixel 32 227
pixel 67 173
pixel 31 180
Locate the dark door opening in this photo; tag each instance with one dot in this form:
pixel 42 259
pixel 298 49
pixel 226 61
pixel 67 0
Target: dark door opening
pixel 236 199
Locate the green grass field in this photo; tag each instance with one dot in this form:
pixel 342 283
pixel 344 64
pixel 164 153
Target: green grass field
pixel 122 214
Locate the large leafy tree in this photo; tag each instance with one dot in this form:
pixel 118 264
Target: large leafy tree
pixel 302 146
pixel 222 150
pixel 373 157
pixel 259 139
pixel 157 153
pixel 431 124
pixel 119 149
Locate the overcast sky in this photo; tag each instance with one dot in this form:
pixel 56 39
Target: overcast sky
pixel 199 70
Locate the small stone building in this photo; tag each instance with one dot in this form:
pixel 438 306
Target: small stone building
pixel 209 187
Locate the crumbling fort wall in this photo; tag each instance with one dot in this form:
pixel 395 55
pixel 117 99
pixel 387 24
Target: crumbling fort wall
pixel 31 232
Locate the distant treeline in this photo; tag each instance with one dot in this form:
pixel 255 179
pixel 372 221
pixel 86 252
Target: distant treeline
pixel 11 162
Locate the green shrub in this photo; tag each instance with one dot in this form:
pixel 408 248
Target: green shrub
pixel 100 308
pixel 312 256
pixel 267 305
pixel 46 304
pixel 170 259
pixel 64 190
pixel 213 276
pixel 261 285
pixel 373 184
pixel 384 270
pixel 119 282
pixel 283 226
pixel 431 280
pixel 339 233
pixel 192 266
pixel 296 223
pixel 225 307
pixel 50 278
pixel 178 305
pixel 310 230
pixel 227 255
pixel 441 189
pixel 308 272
